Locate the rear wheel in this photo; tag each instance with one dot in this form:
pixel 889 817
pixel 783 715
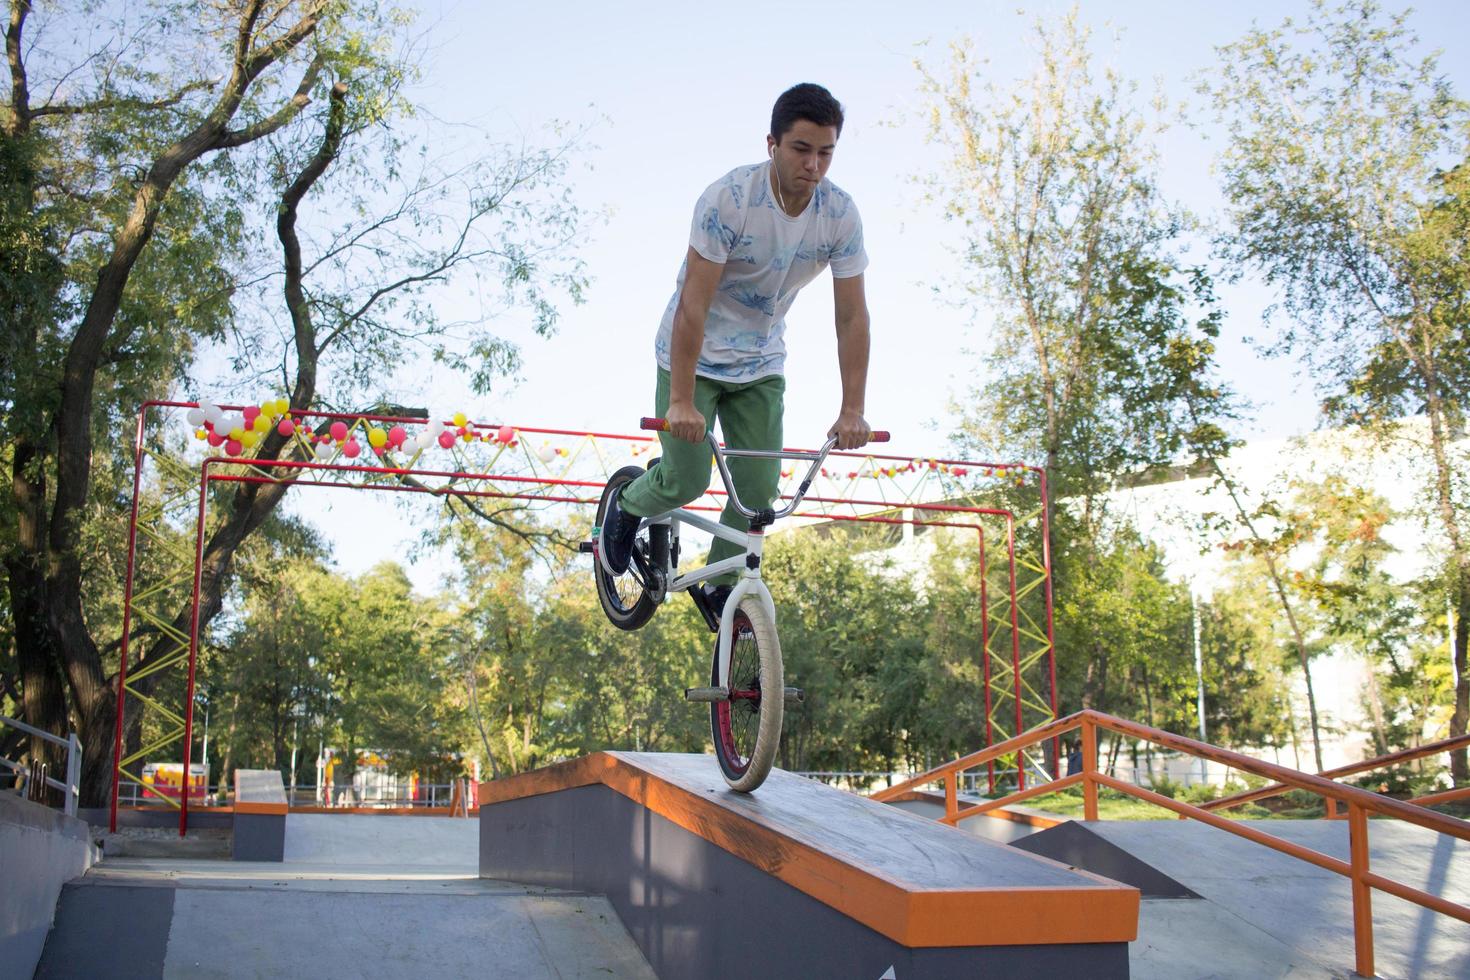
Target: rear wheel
pixel 626 598
pixel 746 728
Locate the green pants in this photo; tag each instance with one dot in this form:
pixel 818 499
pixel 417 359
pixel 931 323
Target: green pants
pixel 750 418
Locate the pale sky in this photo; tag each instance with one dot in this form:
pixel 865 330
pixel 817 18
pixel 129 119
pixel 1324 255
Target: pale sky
pixel 678 94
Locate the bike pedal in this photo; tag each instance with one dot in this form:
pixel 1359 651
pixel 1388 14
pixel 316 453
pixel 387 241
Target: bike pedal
pixel 795 695
pixel 587 547
pixel 707 694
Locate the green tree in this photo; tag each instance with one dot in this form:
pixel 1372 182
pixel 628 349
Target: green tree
pixel 1346 188
pixel 1066 234
pixel 852 637
pixel 132 196
pixel 1246 701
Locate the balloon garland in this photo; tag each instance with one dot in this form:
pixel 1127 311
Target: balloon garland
pixel 237 433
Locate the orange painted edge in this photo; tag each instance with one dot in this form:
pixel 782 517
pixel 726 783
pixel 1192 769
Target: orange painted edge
pixel 905 913
pixel 266 808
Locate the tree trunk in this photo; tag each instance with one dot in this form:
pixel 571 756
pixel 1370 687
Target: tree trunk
pixel 1459 768
pixel 1459 563
pixel 1285 600
pixel 1148 747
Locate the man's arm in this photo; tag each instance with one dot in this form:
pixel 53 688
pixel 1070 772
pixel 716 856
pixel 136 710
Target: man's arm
pixel 851 305
pixel 701 279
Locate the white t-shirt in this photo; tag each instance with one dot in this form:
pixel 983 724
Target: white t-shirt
pixel 768 256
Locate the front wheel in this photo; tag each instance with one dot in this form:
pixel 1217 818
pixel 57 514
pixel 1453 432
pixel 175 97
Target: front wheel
pixel 626 598
pixel 746 728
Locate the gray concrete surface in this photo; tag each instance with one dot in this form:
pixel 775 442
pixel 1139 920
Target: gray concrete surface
pixel 40 850
pixel 399 841
pixel 1271 915
pixel 357 896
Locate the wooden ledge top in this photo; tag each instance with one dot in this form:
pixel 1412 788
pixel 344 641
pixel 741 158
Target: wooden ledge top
pixel 916 881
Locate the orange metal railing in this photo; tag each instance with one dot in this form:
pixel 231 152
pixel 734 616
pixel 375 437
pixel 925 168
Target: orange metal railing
pixel 1359 803
pixel 1357 768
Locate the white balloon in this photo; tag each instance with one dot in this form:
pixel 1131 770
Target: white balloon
pixel 435 427
pixel 215 415
pixel 547 454
pixel 323 450
pixel 195 417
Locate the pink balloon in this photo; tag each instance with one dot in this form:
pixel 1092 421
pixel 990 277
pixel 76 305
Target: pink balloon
pixel 339 431
pixel 446 439
pixel 351 449
pixel 250 412
pixel 397 435
pixel 233 447
pixel 286 428
pixel 215 439
pixel 505 433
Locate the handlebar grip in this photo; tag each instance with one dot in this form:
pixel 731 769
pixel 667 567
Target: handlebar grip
pixel 653 425
pixel 878 435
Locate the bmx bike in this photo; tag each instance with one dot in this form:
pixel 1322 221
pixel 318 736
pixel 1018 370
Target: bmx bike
pixel 747 693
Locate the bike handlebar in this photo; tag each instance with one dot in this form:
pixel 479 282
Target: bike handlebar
pixel 662 425
pixel 815 460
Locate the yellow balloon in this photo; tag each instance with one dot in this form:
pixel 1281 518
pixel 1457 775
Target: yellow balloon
pixel 377 438
pixel 281 406
pixel 200 434
pixel 237 434
pixel 459 419
pixel 262 423
pixel 249 439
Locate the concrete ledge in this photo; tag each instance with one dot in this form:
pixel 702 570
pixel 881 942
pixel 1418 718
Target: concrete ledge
pixel 800 878
pixel 260 816
pixel 40 850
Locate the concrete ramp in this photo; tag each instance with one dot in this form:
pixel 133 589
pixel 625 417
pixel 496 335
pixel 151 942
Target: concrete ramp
pixel 797 879
pixel 1267 914
pixel 357 896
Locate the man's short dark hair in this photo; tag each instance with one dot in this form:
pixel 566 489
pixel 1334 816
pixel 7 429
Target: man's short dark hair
pixel 805 101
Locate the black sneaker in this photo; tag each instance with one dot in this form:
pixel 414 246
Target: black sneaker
pixel 619 529
pixel 718 595
pixel 710 601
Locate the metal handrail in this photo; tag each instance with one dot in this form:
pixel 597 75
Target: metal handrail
pixel 71 789
pixel 1359 803
pixel 1353 769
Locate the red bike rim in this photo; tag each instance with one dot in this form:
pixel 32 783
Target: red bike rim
pixel 743 708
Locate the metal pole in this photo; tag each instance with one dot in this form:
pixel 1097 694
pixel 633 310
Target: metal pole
pixel 295 741
pixel 1199 674
pixel 73 774
pixel 205 752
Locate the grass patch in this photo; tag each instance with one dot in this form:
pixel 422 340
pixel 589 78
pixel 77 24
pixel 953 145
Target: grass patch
pixel 1113 805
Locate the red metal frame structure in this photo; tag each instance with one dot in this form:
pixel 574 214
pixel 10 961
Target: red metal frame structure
pixel 1016 635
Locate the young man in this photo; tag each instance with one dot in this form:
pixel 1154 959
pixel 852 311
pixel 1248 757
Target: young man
pixel 760 234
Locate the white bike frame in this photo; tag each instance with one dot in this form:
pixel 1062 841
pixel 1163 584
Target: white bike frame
pixel 753 541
